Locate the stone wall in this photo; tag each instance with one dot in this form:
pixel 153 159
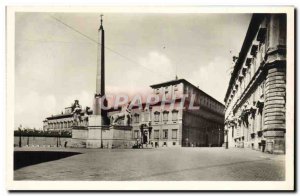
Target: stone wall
pixel 274 122
pixel 79 136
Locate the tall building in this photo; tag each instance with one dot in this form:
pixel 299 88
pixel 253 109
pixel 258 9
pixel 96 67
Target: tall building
pixel 196 127
pixel 165 126
pixel 256 96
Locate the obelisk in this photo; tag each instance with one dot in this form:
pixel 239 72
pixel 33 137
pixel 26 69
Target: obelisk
pixel 98 119
pixel 100 76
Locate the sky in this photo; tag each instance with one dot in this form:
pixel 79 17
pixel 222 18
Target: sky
pixel 54 65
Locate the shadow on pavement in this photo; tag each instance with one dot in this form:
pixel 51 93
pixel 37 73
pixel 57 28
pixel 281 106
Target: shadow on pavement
pixel 27 158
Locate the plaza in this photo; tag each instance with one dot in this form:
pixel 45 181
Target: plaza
pixel 152 164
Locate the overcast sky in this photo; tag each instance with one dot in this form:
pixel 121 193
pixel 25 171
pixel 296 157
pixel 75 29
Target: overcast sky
pixel 55 65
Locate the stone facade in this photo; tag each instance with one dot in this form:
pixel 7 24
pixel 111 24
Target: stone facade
pixel 185 126
pixel 256 96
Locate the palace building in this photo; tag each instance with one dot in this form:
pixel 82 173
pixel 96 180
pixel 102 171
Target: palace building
pixel 256 95
pixel 176 126
pixel 65 120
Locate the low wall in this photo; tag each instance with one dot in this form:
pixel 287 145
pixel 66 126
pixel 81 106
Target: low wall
pixel 42 141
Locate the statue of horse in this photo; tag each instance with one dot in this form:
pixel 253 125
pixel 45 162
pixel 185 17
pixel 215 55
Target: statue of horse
pixel 125 115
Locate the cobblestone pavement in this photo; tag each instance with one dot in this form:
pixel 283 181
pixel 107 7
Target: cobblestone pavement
pixel 201 164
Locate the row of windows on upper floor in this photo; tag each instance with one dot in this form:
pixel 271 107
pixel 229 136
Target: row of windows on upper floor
pixel 199 99
pixel 255 56
pixel 165 134
pixel 58 125
pixel 166 89
pixel 157 117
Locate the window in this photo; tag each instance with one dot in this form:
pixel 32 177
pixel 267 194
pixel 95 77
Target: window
pixel 165 134
pixel 186 90
pixel 156 134
pixel 156 116
pixel 166 89
pixel 146 116
pixel 165 115
pixel 156 91
pixel 175 87
pixel 136 134
pixel 174 115
pixel 174 133
pixel 136 118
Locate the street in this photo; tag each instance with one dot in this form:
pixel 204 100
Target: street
pixel 172 164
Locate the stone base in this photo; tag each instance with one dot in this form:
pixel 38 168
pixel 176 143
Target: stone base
pixel 93 143
pixel 275 145
pixel 95 120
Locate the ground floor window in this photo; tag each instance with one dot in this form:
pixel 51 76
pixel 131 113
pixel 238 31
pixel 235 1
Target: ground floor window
pixel 136 134
pixel 165 134
pixel 174 133
pixel 156 134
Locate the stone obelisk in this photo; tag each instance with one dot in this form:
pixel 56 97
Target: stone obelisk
pixel 98 119
pixel 100 76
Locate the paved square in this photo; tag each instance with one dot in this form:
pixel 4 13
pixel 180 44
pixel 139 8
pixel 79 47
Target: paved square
pixel 175 164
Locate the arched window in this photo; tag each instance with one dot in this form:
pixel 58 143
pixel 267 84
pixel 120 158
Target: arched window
pixel 175 115
pixel 165 115
pixel 136 118
pixel 156 116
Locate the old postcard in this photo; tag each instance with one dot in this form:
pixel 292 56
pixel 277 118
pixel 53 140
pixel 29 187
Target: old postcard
pixel 150 98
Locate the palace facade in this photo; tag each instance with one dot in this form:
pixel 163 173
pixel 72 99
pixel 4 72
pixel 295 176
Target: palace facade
pixel 177 126
pixel 256 95
pixel 65 120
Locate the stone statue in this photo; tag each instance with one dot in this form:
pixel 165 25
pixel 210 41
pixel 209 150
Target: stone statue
pixel 85 117
pixel 76 118
pixel 76 110
pixel 125 115
pixel 76 106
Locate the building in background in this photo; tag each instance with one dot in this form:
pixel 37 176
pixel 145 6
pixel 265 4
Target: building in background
pixel 174 126
pixel 65 120
pixel 195 127
pixel 256 96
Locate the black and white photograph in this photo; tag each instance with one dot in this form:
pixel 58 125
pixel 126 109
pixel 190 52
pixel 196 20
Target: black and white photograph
pixel 150 98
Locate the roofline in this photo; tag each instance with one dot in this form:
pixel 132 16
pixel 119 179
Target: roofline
pixel 167 83
pixel 251 32
pixel 186 82
pixel 58 116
